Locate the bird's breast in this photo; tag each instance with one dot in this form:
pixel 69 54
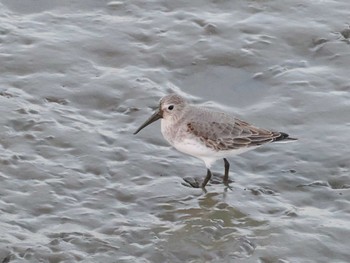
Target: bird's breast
pixel 169 131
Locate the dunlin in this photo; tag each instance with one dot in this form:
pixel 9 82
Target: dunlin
pixel 206 134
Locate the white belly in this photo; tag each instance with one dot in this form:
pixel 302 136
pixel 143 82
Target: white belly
pixel 207 155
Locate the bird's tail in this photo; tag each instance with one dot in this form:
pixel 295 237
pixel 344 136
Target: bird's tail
pixel 284 137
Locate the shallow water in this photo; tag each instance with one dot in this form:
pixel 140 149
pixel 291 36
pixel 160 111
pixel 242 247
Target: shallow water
pixel 78 77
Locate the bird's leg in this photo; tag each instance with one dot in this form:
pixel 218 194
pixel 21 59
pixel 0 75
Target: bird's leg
pixel 207 178
pixel 227 167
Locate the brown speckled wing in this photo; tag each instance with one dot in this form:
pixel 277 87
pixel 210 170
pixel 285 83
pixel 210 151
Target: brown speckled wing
pixel 221 136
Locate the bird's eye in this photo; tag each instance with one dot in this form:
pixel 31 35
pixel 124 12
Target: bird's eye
pixel 171 107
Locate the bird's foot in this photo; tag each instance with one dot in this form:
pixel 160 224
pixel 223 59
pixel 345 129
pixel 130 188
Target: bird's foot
pixel 227 182
pixel 228 186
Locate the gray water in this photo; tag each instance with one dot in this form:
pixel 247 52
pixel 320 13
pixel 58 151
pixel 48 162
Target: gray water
pixel 78 77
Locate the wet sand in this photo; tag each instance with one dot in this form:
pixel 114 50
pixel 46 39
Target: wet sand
pixel 78 77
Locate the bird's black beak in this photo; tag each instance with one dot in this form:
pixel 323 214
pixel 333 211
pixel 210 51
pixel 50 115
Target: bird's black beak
pixel 156 116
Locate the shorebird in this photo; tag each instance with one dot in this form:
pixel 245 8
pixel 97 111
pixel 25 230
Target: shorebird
pixel 207 134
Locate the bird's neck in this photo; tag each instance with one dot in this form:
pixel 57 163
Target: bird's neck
pixel 169 130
